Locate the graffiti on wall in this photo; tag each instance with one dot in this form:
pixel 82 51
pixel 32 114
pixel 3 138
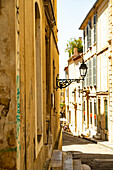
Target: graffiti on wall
pixel 17 80
pixel 18 117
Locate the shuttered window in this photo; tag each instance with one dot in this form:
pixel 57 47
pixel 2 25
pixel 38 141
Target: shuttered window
pixel 87 75
pixel 84 110
pixel 84 39
pixel 89 32
pixel 95 114
pixel 94 23
pixel 94 70
pixel 90 72
pixel 91 112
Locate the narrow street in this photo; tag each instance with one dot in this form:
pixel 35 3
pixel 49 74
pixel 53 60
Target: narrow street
pixel 96 156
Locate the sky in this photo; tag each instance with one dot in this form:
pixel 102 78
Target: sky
pixel 70 15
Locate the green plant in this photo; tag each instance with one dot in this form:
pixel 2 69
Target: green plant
pixel 72 43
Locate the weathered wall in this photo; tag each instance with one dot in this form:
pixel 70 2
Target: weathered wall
pixel 7 86
pixel 22 109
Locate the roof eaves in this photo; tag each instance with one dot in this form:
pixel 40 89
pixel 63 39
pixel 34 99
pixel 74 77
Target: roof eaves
pixel 93 7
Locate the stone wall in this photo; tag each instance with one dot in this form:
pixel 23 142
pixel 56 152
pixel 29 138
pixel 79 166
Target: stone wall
pixel 7 86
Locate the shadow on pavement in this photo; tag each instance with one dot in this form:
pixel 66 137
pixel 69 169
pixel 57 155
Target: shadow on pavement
pixel 95 161
pixel 73 140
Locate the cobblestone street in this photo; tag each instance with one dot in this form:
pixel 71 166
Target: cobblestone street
pixel 96 156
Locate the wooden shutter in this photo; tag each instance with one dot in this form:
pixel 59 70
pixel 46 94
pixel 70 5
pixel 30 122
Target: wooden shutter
pixel 87 75
pixel 94 23
pixel 89 32
pixel 90 72
pixel 94 70
pixel 84 39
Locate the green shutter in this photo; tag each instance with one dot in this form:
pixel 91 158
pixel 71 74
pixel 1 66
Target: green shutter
pixel 84 39
pixel 94 21
pixel 89 32
pixel 94 70
pixel 90 72
pixel 87 75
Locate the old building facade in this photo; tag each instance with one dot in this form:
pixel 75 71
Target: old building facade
pixel 73 95
pixel 29 102
pixel 97 91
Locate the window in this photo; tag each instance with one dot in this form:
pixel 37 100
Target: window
pixel 91 112
pixel 90 72
pixel 87 75
pixel 84 39
pixel 95 114
pixel 84 110
pixel 94 70
pixel 106 114
pixel 38 72
pixel 89 32
pixel 94 23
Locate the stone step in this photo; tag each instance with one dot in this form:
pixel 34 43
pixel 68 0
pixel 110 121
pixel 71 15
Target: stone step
pixel 85 167
pixel 77 164
pixel 67 161
pixel 56 160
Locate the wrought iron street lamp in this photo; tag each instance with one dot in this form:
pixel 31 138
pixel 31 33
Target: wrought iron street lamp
pixel 63 83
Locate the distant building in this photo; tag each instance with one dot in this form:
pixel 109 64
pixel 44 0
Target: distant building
pixel 73 94
pixel 97 96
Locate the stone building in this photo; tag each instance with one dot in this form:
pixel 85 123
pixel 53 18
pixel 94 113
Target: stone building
pixel 97 96
pixel 73 95
pixel 29 102
pixel 62 103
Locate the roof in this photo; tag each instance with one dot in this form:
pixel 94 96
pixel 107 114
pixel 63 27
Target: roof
pixel 88 15
pixel 78 56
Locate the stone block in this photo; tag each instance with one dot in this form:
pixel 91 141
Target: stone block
pixel 67 162
pixel 85 167
pixel 77 164
pixel 56 161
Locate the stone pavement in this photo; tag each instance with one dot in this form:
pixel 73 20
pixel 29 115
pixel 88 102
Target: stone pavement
pixel 97 141
pixel 95 154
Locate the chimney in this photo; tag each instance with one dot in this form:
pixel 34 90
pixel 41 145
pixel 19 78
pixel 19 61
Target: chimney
pixel 80 38
pixel 75 51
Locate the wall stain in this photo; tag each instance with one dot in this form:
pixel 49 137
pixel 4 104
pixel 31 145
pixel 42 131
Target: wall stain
pixel 4 93
pixel 11 138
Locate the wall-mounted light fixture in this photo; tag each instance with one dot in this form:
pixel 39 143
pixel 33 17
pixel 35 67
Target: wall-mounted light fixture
pixel 63 83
